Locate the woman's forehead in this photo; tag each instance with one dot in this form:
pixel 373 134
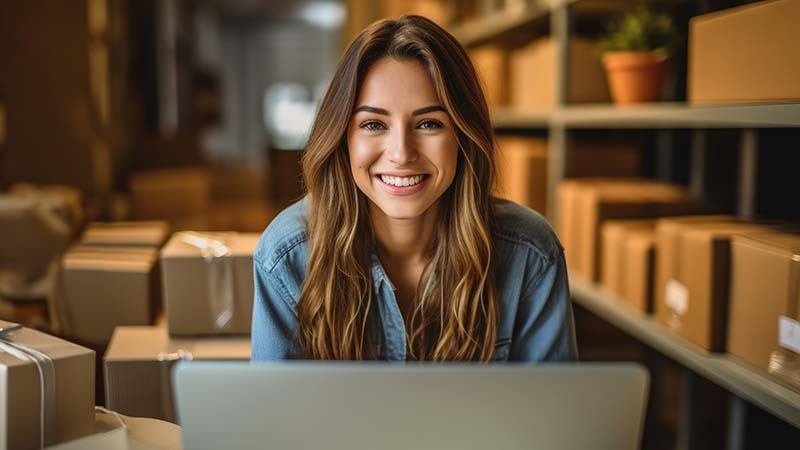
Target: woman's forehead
pixel 397 84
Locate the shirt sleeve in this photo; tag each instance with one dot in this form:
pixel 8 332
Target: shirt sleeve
pixel 544 328
pixel 274 327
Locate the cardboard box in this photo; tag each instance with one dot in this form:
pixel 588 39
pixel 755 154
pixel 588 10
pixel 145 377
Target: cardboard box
pixel 194 287
pixel 138 362
pixel 168 193
pixel 532 74
pixel 765 282
pixel 697 288
pixel 101 288
pixel 601 159
pixel 590 202
pixel 638 263
pixel 491 63
pixel 615 233
pixel 144 233
pixel 754 46
pixel 522 171
pixel 21 387
pixel 668 231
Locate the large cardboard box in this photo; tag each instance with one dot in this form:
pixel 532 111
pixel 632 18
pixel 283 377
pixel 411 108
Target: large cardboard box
pixel 590 202
pixel 532 74
pixel 697 288
pixel 138 362
pixel 101 288
pixel 754 46
pixel 208 282
pixel 765 287
pixel 21 388
pixel 144 233
pixel 613 268
pixel 522 171
pixel 491 63
pixel 601 159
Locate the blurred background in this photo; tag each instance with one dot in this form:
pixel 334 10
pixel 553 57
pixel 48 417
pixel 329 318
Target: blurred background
pixel 123 121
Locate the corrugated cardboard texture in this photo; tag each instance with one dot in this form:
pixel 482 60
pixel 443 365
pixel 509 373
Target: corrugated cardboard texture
pixel 137 382
pixel 532 74
pixel 754 46
pixel 765 284
pixel 186 289
pixel 20 391
pixel 703 266
pixel 522 171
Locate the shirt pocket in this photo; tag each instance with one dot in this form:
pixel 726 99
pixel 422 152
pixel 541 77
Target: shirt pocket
pixel 501 350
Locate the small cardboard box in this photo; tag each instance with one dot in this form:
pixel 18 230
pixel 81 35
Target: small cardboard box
pixel 533 72
pixel 491 63
pixel 101 288
pixel 754 46
pixel 697 289
pixel 143 233
pixel 138 362
pixel 21 388
pixel 615 233
pixel 590 202
pixel 765 286
pixel 522 171
pixel 194 286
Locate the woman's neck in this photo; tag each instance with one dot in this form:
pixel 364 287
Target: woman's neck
pixel 404 240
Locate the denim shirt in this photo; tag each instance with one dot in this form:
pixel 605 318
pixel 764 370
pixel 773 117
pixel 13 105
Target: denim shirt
pixel 535 320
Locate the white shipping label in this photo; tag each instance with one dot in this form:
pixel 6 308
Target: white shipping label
pixel 789 333
pixel 677 297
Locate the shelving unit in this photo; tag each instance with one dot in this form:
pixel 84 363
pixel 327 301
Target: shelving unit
pixel 559 18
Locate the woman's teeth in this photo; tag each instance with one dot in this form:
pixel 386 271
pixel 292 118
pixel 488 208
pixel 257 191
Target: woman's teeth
pixel 402 181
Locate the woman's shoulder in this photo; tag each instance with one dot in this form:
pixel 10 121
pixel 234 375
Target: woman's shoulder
pixel 522 227
pixel 285 233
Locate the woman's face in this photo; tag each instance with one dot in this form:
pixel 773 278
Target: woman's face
pixel 402 144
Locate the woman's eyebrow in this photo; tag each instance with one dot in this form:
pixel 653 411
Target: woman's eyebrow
pixel 384 112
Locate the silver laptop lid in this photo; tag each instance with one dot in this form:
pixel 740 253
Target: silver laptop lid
pixel 352 406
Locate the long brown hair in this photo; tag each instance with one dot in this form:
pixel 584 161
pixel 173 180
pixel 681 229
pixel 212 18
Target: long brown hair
pixel 455 315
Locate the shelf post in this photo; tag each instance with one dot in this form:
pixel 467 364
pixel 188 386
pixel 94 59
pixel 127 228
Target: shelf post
pixel 748 160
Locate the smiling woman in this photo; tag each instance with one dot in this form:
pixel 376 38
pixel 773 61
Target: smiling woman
pixel 398 251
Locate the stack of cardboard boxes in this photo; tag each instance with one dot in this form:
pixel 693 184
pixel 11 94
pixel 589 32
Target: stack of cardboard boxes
pixel 207 287
pixel 720 283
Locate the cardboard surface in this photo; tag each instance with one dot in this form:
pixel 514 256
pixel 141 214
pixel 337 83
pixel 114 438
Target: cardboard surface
pixel 187 280
pixel 138 362
pixel 614 235
pixel 701 266
pixel 522 171
pixel 532 74
pixel 20 391
pixel 638 265
pixel 754 46
pixel 765 284
pixel 102 288
pixel 144 233
pixel 491 63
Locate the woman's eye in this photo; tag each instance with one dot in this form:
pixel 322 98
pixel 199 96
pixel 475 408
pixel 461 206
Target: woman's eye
pixel 371 125
pixel 430 124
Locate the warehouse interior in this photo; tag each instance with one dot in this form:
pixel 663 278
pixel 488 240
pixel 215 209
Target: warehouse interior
pixel 135 135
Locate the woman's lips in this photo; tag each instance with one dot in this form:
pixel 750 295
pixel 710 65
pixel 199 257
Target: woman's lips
pixel 403 190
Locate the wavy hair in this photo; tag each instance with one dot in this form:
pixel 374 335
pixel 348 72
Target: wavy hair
pixel 456 306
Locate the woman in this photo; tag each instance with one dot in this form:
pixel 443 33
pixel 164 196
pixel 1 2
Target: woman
pixel 398 252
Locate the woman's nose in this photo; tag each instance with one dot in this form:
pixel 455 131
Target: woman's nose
pixel 400 148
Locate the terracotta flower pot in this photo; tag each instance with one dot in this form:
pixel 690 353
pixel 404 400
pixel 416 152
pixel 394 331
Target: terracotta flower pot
pixel 635 77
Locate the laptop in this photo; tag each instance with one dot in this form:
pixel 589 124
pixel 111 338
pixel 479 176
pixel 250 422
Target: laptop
pixel 360 406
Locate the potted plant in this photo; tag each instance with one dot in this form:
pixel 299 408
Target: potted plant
pixel 635 51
